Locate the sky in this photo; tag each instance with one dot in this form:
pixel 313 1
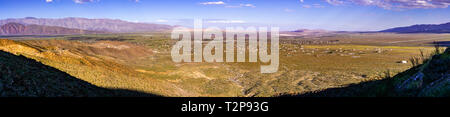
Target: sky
pixel 337 15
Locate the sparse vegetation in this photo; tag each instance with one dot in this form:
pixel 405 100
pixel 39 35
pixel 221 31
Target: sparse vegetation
pixel 430 79
pixel 142 62
pixel 25 77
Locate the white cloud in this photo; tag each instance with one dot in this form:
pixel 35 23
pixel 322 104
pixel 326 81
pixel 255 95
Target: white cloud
pixel 313 6
pixel 248 5
pixel 390 4
pixel 335 2
pixel 162 21
pixel 48 1
pixel 213 3
pixel 83 1
pixel 228 6
pixel 241 5
pixel 288 10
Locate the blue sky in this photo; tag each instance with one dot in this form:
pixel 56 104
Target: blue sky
pixel 343 15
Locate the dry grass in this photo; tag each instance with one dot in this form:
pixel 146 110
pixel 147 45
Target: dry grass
pixel 143 62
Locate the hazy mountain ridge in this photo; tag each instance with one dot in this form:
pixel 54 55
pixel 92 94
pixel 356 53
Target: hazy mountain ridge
pixel 108 25
pixel 422 28
pixel 310 33
pixel 20 29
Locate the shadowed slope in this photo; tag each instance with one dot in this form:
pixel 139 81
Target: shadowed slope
pixel 21 76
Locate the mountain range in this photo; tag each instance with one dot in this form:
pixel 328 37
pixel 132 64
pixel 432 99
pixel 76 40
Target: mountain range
pixel 99 25
pixel 422 28
pixel 20 29
pixel 419 28
pixel 73 25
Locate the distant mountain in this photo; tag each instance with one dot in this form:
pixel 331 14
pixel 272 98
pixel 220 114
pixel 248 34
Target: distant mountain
pixel 20 29
pixel 108 25
pixel 423 28
pixel 311 31
pixel 308 33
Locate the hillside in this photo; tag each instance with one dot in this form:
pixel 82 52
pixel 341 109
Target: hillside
pixel 423 28
pixel 430 79
pixel 21 76
pixel 20 29
pixel 108 25
pixel 97 63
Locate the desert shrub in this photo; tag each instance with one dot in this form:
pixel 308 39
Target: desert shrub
pixel 436 68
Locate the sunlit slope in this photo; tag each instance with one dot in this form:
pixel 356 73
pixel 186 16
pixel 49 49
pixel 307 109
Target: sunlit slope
pixel 143 62
pixel 24 77
pixel 115 64
pixel 77 62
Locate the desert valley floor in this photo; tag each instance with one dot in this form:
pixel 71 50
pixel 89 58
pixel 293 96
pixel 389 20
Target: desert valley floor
pixel 142 62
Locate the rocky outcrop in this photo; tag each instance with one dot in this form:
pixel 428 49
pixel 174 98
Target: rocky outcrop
pixel 12 28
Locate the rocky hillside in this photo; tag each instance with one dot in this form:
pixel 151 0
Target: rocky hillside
pixel 20 29
pixel 23 77
pixel 430 79
pixel 424 28
pixel 106 25
pixel 99 63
